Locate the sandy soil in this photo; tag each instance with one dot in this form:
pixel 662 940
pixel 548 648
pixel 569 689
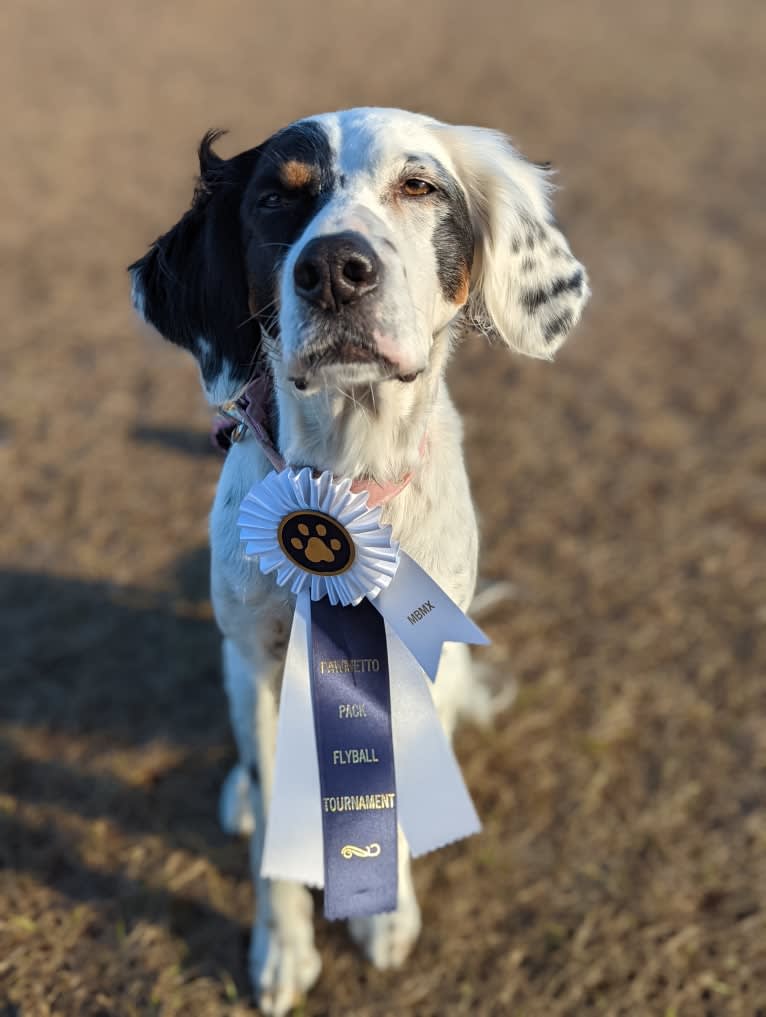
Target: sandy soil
pixel 622 870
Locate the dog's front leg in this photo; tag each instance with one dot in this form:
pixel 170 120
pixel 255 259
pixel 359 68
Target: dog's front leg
pixel 284 963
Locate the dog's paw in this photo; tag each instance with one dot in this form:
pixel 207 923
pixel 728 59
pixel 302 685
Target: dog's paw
pixel 235 809
pixel 388 939
pixel 282 968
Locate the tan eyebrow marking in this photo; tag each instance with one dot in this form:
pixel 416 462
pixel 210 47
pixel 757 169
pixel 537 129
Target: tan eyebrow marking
pixel 296 174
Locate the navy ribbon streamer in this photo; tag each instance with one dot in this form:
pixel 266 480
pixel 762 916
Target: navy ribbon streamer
pixel 352 719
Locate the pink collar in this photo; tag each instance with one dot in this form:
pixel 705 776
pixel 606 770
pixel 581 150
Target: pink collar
pixel 253 409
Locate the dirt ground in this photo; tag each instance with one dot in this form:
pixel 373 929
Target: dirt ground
pixel 622 868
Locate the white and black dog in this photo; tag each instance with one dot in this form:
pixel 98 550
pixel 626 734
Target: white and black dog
pixel 342 259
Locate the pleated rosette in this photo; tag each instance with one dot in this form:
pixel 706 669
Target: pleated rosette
pixel 370 563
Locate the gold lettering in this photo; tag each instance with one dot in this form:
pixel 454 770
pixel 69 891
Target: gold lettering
pixel 360 665
pixel 350 711
pixel 358 803
pixel 342 757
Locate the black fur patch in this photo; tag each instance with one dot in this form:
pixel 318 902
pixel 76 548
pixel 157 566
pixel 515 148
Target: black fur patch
pixel 558 326
pixel 453 240
pixel 192 281
pixel 572 284
pixel 534 232
pixel 274 216
pixel 199 279
pixel 532 300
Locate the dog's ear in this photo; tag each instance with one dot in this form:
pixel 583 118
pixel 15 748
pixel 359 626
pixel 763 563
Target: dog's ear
pixel 526 286
pixel 191 285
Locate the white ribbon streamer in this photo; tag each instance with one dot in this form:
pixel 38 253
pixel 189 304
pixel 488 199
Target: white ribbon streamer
pixel 293 845
pixel 434 806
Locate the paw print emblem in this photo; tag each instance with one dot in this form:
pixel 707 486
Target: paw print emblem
pixel 316 550
pixel 316 543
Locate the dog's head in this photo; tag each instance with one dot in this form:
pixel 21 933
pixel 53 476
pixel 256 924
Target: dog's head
pixel 345 245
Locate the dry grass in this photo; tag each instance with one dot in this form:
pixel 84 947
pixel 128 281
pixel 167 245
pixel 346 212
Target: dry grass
pixel 622 870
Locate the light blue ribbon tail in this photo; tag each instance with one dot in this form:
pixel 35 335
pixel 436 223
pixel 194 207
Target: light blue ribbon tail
pixel 423 616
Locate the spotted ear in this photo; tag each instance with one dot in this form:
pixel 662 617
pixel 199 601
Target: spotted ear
pixel 191 285
pixel 527 288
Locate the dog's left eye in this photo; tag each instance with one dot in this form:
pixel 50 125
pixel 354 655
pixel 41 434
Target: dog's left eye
pixel 415 187
pixel 271 200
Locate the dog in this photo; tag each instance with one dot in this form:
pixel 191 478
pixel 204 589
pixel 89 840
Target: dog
pixel 340 261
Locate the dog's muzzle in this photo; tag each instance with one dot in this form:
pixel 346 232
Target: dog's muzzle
pixel 332 276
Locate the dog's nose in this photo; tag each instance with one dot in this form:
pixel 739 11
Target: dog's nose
pixel 336 270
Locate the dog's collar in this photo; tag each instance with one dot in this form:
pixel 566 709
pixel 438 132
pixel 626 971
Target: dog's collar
pixel 250 412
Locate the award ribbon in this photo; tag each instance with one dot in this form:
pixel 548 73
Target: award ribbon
pixel 359 744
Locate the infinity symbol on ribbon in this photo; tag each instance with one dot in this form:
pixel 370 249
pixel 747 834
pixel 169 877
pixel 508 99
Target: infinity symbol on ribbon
pixel 351 851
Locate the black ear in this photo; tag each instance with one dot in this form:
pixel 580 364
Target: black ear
pixel 192 285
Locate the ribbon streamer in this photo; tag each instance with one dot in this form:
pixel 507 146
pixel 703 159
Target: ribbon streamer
pixel 352 717
pixel 423 616
pixel 293 842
